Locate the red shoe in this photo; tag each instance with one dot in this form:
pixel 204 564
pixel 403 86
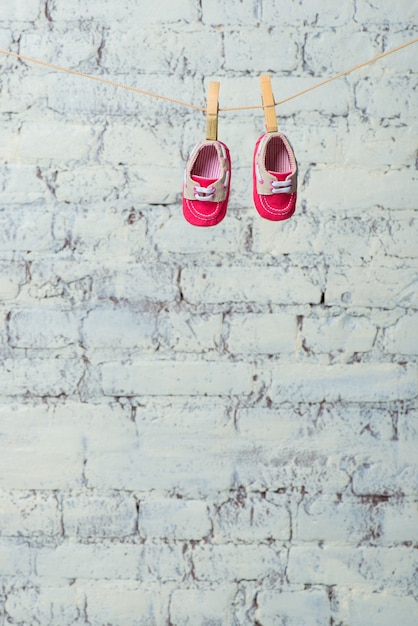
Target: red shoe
pixel 274 177
pixel 207 181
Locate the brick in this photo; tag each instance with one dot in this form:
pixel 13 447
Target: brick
pixel 345 565
pixel 189 333
pixel 58 278
pixel 361 286
pixel 331 100
pixel 80 282
pixel 408 422
pixel 318 45
pixel 103 10
pixel 87 233
pixel 197 607
pixel 353 189
pixel 135 148
pixel 343 333
pixel 92 183
pixel 34 91
pixel 131 144
pixel 21 185
pixel 406 61
pixel 229 562
pixel 66 47
pixel 43 328
pixel 99 516
pixel 400 521
pixel 181 50
pixel 36 439
pixel 84 561
pixel 297 235
pixel 102 99
pixel 28 514
pixel 48 377
pixel 192 459
pixel 400 102
pixel 20 11
pixel 286 467
pixel 9 137
pixel 135 283
pixel 379 148
pixel 191 416
pixel 216 12
pixel 12 277
pixel 164 562
pixel 401 338
pixel 340 422
pixel 381 609
pixel 176 235
pixel 358 382
pixel 307 13
pixel 249 50
pixel 122 604
pixel 15 559
pixel 48 604
pixel 348 239
pixel 292 608
pixel 119 329
pixel 243 284
pixel 386 13
pixel 174 519
pixel 5 41
pixel 112 561
pixel 400 239
pixel 262 334
pixel 252 519
pixel 390 471
pixel 17 232
pixel 38 143
pixel 179 378
pixel 346 520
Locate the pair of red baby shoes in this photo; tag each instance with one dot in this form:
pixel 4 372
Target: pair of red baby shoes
pixel 208 177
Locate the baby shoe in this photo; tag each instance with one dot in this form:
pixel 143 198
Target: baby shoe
pixel 274 177
pixel 206 183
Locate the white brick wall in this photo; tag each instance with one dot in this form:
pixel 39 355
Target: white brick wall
pixel 207 426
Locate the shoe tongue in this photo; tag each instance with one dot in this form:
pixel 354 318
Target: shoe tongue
pixel 280 175
pixel 204 182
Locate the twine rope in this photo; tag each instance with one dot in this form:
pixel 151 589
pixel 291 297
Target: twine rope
pixel 143 92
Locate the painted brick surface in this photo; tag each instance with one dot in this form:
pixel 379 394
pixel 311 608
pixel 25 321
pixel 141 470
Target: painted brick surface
pixel 176 519
pixel 207 427
pixel 293 607
pixel 211 606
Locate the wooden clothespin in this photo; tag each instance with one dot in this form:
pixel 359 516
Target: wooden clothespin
pixel 212 109
pixel 268 104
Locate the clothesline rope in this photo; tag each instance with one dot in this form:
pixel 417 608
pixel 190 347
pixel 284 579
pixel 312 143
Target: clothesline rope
pixel 195 106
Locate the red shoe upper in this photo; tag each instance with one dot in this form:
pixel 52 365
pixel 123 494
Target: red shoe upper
pixel 274 177
pixel 206 183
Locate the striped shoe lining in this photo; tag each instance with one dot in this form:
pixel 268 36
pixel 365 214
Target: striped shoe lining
pixel 277 158
pixel 207 163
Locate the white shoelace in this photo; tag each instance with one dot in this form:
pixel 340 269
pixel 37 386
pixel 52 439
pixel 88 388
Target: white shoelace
pixel 203 193
pixel 281 186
